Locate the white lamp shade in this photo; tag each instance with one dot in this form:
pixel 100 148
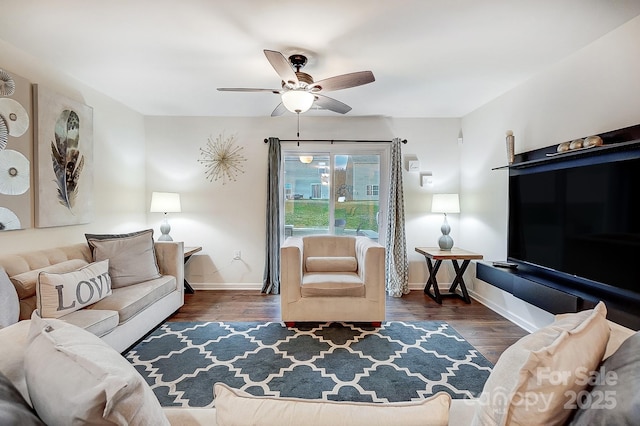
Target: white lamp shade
pixel 445 203
pixel 297 101
pixel 165 202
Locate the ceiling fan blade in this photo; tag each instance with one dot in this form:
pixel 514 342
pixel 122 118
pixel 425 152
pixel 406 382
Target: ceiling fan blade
pixel 280 109
pixel 282 66
pixel 247 89
pixel 344 81
pixel 331 104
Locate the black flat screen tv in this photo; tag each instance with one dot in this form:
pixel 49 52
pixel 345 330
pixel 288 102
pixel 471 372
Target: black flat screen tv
pixel 579 220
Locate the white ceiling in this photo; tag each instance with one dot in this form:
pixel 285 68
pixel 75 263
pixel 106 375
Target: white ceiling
pixel 431 58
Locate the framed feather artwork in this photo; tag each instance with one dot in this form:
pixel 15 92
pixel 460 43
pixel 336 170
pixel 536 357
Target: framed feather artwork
pixel 64 159
pixel 16 152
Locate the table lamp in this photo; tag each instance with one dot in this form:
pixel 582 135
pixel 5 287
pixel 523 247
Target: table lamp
pixel 445 203
pixel 165 202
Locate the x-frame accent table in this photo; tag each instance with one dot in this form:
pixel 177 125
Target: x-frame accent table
pixel 188 252
pixel 454 255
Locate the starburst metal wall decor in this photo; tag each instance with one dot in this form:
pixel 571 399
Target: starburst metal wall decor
pixel 222 158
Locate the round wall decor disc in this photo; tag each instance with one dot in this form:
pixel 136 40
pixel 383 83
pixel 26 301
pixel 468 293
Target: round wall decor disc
pixel 15 116
pixel 4 134
pixel 7 85
pixel 14 172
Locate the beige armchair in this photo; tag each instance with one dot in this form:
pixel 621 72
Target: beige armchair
pixel 332 278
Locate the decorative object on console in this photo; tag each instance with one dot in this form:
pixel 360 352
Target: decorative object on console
pixel 64 153
pixel 165 202
pixel 579 144
pixel 592 141
pixel 511 141
pixel 222 158
pixel 445 203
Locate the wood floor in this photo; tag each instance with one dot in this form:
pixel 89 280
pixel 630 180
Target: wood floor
pixel 489 332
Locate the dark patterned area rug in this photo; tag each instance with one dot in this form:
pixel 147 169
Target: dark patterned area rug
pixel 399 361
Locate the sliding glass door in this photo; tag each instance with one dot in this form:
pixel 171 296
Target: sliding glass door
pixel 335 190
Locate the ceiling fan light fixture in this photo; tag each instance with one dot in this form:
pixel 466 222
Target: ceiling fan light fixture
pixel 297 101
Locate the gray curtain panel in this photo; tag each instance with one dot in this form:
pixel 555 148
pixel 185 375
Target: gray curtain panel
pixel 396 262
pixel 271 278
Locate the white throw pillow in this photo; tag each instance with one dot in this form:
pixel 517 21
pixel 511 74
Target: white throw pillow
pixel 61 294
pixel 75 378
pixel 538 377
pixel 237 408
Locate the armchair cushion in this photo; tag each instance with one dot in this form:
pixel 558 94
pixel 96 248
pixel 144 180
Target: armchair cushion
pixel 328 284
pixel 331 264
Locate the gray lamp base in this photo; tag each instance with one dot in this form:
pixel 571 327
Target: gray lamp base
pixel 445 242
pixel 165 228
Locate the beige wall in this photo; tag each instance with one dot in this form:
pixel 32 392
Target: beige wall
pixel 223 218
pixel 595 90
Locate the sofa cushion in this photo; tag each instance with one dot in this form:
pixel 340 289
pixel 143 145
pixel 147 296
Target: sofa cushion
pixel 9 302
pixel 331 264
pixel 236 408
pixel 129 301
pixel 25 283
pixel 330 284
pixel 536 377
pixel 132 258
pixel 615 398
pixel 95 321
pixel 13 341
pixel 60 294
pixel 14 410
pixel 75 378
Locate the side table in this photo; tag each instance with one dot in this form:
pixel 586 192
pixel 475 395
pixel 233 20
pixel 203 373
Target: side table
pixel 188 252
pixel 454 255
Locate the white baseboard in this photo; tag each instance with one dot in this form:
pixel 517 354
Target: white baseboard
pixel 227 286
pixel 517 320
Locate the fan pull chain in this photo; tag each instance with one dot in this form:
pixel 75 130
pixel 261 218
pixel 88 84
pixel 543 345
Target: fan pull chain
pixel 298 114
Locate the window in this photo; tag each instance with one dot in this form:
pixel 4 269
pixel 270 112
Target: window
pixel 337 192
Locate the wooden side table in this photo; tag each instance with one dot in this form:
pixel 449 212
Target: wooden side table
pixel 454 255
pixel 188 252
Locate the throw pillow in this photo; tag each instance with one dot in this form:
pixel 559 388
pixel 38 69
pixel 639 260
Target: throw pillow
pixel 25 283
pixel 331 264
pixel 237 408
pixel 535 378
pixel 75 378
pixel 132 258
pixel 61 294
pixel 14 410
pixel 9 303
pixel 615 396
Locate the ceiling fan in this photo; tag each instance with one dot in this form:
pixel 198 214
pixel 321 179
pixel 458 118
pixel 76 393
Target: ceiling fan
pixel 299 92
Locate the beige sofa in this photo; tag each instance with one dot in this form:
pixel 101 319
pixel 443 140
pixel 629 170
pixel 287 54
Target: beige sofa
pixel 120 319
pixel 332 278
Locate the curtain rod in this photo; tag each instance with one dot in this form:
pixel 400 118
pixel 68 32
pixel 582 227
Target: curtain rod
pixel 404 141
